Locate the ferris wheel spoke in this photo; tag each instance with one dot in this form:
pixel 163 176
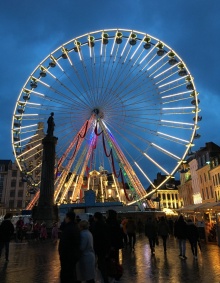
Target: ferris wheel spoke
pixel 167 77
pixel 76 72
pixel 61 84
pixel 145 141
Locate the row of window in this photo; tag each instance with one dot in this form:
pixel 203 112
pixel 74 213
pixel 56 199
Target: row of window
pixel 20 193
pixel 170 205
pixel 216 179
pixel 11 204
pixel 13 184
pixel 168 196
pixel 205 177
pixel 207 193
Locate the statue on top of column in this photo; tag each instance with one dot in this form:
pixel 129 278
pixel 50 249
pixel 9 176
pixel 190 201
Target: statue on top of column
pixel 51 125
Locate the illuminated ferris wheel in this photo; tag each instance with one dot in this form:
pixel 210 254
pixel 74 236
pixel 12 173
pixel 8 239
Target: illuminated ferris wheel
pixel 123 101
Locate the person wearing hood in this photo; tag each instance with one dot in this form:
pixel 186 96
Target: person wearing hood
pixel 6 233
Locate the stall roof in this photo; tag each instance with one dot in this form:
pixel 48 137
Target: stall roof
pixel 189 208
pixel 200 207
pixel 207 205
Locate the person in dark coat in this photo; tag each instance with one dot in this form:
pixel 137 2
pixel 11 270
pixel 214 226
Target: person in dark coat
pixel 101 243
pixel 193 236
pixel 151 230
pixel 115 233
pixel 163 231
pixel 69 249
pixel 6 233
pixel 180 232
pixel 131 231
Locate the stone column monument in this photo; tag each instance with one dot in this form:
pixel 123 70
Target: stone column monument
pixel 46 211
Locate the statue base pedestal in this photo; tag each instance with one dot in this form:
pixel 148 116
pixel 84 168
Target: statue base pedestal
pixel 47 214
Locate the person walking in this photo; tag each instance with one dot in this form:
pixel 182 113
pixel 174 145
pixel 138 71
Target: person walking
pixel 180 232
pixel 115 234
pixel 69 249
pixel 19 229
pixel 6 233
pixel 193 237
pixel 101 242
pixel 151 230
pixel 163 231
pixel 85 267
pixel 131 231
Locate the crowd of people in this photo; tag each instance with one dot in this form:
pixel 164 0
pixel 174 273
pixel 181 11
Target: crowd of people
pixel 100 238
pixel 34 230
pixel 85 245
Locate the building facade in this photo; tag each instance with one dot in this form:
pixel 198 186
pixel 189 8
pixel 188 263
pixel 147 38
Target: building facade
pixel 200 176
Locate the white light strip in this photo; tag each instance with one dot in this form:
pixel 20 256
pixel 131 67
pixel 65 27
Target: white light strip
pixel 157 62
pixel 28 138
pixel 176 94
pixel 23 115
pixel 80 55
pixel 160 133
pixel 172 108
pixel 167 77
pixel 174 122
pixel 136 49
pixel 124 47
pixel 32 103
pixel 156 163
pixel 50 74
pixel 101 47
pixel 55 60
pixel 38 93
pixel 46 70
pixel 171 82
pixel 166 70
pixel 144 174
pixel 147 54
pixel 166 151
pixel 43 83
pixel 170 88
pixel 23 127
pixel 149 62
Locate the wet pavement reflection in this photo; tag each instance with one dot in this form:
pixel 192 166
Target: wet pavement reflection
pixel 39 262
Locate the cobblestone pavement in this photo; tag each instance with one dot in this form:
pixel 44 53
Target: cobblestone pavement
pixel 39 262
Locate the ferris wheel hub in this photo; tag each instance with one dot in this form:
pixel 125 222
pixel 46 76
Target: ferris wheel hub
pixel 98 113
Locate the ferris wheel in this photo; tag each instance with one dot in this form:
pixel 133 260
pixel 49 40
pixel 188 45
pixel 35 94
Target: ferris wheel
pixel 123 101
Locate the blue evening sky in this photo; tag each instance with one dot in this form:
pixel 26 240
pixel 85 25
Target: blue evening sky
pixel 30 30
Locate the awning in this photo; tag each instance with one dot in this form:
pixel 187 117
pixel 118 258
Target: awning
pixel 206 206
pixel 217 206
pixel 190 208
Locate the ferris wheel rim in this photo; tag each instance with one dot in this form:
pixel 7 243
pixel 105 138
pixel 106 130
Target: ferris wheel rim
pixel 189 142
